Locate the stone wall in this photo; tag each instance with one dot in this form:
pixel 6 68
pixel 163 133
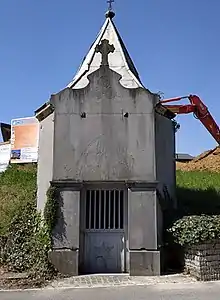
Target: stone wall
pixel 203 261
pixel 3 241
pixel 114 136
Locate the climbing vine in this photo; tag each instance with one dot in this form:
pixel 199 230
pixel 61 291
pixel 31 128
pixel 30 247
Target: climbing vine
pixel 51 208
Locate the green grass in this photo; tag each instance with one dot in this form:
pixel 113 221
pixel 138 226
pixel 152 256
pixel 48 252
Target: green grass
pixel 198 192
pixel 198 180
pixel 17 187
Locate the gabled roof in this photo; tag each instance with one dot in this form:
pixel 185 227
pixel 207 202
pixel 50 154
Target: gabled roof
pixel 119 61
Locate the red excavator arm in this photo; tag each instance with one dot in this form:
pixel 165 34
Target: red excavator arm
pixel 200 111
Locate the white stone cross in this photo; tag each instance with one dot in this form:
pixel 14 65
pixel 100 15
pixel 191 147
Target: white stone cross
pixel 105 48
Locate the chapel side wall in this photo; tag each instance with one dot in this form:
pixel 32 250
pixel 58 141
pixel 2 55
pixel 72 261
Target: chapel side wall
pixel 165 153
pixel 165 167
pixel 105 145
pixel 45 159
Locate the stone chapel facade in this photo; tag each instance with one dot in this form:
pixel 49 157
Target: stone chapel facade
pixel 108 153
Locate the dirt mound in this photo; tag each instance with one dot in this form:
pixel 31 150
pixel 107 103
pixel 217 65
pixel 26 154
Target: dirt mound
pixel 207 161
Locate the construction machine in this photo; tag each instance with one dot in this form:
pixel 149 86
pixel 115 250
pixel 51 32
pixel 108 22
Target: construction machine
pixel 196 106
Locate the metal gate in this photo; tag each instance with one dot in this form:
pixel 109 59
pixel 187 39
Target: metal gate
pixel 104 231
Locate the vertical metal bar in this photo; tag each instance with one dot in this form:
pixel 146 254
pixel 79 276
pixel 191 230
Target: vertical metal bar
pixel 100 211
pixel 86 210
pixel 94 210
pixel 114 206
pixel 119 211
pixel 90 208
pixel 123 208
pixel 105 212
pixel 109 210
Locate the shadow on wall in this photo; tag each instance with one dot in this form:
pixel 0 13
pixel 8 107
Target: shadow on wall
pixel 190 202
pixel 59 232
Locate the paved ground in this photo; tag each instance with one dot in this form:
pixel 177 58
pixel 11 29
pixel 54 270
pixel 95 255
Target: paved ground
pixel 118 280
pixel 159 291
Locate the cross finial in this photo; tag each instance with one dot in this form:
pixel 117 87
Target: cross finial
pixel 105 48
pixel 110 4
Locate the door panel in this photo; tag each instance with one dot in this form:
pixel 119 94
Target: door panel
pixel 104 250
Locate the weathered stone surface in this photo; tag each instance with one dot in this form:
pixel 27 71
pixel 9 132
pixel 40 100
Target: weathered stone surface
pixel 144 263
pixel 142 220
pixel 165 163
pixel 66 231
pixel 3 240
pixel 101 280
pixel 14 276
pixel 65 261
pixel 203 261
pixel 104 145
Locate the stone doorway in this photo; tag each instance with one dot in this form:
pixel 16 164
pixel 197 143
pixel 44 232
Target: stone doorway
pixel 103 230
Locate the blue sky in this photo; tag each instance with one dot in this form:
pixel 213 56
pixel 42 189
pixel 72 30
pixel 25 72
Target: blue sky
pixel 175 46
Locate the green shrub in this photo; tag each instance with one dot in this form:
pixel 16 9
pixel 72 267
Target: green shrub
pixel 28 243
pixel 26 236
pixel 192 230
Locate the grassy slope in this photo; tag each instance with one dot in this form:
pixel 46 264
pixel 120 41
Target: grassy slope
pixel 17 186
pixel 198 192
pixel 198 180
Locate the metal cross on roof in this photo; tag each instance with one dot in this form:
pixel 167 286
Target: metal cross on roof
pixel 110 4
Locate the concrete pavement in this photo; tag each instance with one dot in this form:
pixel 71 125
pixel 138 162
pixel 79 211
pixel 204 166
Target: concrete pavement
pixel 159 291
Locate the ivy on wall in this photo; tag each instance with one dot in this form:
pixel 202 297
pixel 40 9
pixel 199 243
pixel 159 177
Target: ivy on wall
pixel 51 208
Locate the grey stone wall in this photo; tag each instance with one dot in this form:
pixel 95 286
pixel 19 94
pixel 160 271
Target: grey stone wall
pixel 65 253
pixel 165 155
pixel 203 261
pixel 115 140
pixel 143 229
pixel 45 160
pixel 3 241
